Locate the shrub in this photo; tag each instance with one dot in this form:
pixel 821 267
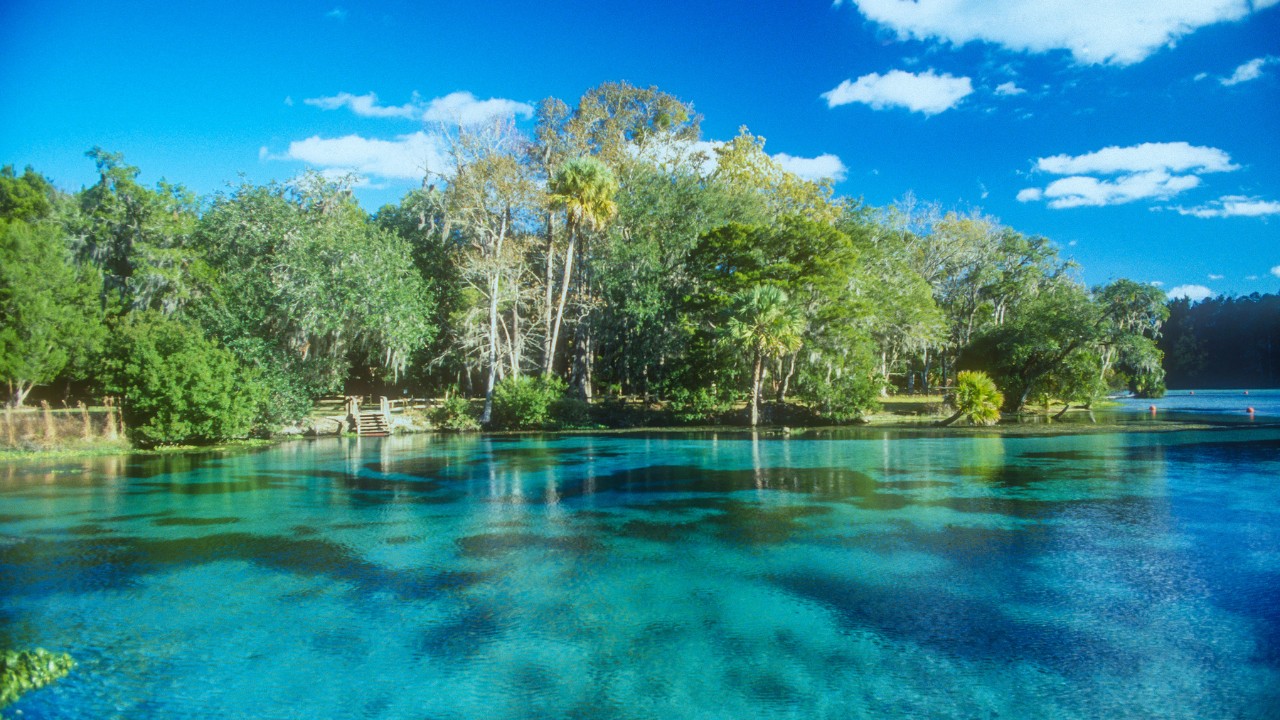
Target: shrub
pixel 976 398
pixel 177 386
pixel 572 413
pixel 455 414
pixel 698 406
pixel 844 398
pixel 525 403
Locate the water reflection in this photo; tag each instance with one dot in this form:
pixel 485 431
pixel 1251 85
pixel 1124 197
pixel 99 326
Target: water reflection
pixel 657 575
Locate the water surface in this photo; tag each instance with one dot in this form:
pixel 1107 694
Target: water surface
pixel 657 576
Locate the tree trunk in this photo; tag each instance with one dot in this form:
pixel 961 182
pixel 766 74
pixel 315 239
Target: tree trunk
pixel 1063 411
pixel 786 379
pixel 18 391
pixel 548 342
pixel 487 415
pixel 564 295
pixel 756 379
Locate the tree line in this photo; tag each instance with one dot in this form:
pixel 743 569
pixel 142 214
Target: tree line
pixel 1223 342
pixel 606 252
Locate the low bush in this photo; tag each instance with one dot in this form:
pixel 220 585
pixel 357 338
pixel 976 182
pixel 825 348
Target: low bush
pixel 526 403
pixel 455 414
pixel 176 386
pixel 698 406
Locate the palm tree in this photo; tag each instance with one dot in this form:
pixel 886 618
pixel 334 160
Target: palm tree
pixel 584 188
pixel 977 398
pixel 766 324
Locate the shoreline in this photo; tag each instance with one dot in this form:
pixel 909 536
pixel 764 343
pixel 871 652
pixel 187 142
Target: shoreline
pixel 1022 426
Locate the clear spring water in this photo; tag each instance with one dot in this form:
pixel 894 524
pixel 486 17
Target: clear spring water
pixel 657 576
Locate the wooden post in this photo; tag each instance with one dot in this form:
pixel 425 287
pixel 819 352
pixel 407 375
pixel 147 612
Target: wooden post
pixel 50 432
pixel 111 419
pixel 84 416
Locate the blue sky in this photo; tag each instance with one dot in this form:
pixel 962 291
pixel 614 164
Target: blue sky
pixel 1140 136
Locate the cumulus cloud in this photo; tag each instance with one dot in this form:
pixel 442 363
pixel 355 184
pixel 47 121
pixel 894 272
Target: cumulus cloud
pixel 1276 271
pixel 1157 283
pixel 1009 88
pixel 1215 276
pixel 455 108
pixel 407 157
pixel 1194 293
pixel 926 92
pixel 816 168
pixel 1085 191
pixel 1167 156
pixel 1231 206
pixel 1117 175
pixel 464 108
pixel 1095 32
pixel 364 105
pixel 1251 70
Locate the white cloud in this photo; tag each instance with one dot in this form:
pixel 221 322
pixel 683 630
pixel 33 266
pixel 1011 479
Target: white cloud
pixel 336 14
pixel 1009 88
pixel 1157 283
pixel 1167 156
pixel 364 105
pixel 816 168
pixel 1085 191
pixel 1194 293
pixel 1276 271
pixel 405 158
pixel 1251 70
pixel 925 92
pixel 1253 277
pixel 1215 276
pixel 1093 31
pixel 1232 206
pixel 464 108
pixel 1117 175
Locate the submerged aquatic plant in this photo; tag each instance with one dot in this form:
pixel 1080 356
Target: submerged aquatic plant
pixel 22 671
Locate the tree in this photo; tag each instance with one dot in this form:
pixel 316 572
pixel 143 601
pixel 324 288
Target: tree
pixel 491 194
pixel 140 238
pixel 301 284
pixel 50 316
pixel 766 325
pixel 585 189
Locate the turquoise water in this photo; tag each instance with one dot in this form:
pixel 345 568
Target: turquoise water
pixel 657 576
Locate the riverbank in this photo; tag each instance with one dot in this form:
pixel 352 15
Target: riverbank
pixel 908 415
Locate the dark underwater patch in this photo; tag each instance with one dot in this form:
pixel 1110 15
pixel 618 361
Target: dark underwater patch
pixel 491 545
pixel 194 521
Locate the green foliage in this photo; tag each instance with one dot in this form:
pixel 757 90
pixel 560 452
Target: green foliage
pixel 845 394
pixel 28 198
pixel 1148 385
pixel 526 403
pixel 701 405
pixel 455 414
pixel 178 387
pixel 22 671
pixel 976 398
pixel 572 413
pixel 49 312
